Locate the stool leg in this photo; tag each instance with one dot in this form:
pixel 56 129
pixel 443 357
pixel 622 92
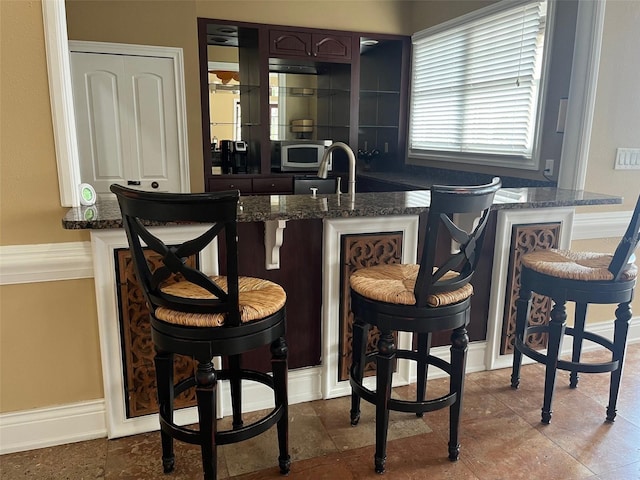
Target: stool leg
pixel 235 386
pixel 459 345
pixel 556 332
pixel 164 381
pixel 384 373
pixel 279 365
pixel 523 304
pixel 358 360
pixel 424 347
pixel 623 315
pixel 206 383
pixel 578 330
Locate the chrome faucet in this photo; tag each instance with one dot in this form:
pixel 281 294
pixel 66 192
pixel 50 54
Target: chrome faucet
pixel 324 165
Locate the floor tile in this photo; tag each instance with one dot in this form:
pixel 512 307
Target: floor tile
pixel 74 461
pixel 506 446
pixel 501 437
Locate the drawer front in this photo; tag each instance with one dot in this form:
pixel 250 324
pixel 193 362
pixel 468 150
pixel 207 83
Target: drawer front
pixel 219 184
pixel 272 185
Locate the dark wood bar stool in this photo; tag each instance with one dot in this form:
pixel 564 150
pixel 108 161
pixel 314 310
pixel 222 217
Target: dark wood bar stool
pixel 430 297
pixel 583 278
pixel 202 316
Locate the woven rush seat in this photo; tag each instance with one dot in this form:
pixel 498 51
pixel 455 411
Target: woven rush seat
pixel 258 298
pixel 587 266
pixel 395 283
pixel 583 278
pixel 425 299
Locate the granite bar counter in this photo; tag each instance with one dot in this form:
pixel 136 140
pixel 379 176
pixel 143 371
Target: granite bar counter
pixel 106 213
pixel 310 245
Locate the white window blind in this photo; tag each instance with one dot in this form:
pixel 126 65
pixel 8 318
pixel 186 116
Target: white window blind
pixel 475 85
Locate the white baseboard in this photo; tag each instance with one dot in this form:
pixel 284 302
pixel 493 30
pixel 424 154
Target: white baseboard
pixel 31 429
pixel 44 427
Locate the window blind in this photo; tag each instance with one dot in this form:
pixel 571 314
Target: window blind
pixel 475 85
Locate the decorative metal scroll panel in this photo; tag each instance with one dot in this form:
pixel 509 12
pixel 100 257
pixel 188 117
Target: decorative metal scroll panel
pixel 358 251
pixel 137 347
pixel 525 239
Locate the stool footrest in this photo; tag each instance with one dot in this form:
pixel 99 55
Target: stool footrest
pixel 565 364
pixel 409 406
pixel 224 437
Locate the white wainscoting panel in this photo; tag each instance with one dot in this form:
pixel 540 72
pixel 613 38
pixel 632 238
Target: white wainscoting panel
pixel 334 229
pixel 506 220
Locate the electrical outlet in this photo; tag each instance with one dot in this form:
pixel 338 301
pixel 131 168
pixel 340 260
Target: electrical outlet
pixel 548 167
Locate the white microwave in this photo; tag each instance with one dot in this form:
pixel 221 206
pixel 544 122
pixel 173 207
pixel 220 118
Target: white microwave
pixel 298 155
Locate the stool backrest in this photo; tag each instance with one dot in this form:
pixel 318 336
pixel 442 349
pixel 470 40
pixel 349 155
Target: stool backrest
pixel 446 202
pixel 627 245
pixel 218 211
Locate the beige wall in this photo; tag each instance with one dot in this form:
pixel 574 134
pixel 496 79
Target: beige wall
pixel 381 16
pixel 49 351
pixel 427 13
pixel 616 122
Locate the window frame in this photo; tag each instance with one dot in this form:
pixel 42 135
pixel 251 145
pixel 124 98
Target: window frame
pixel 421 156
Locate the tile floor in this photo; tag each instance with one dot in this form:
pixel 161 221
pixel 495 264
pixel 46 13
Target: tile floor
pixel 501 438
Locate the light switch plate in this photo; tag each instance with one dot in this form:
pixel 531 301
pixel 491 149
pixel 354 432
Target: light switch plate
pixel 627 159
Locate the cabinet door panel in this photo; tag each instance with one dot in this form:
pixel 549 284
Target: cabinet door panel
pixel 103 133
pixel 285 42
pixel 127 120
pixel 336 47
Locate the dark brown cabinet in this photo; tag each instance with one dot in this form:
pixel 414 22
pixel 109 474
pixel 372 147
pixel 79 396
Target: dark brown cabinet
pixel 230 183
pixel 302 44
pixel 263 185
pixel 260 83
pixel 273 185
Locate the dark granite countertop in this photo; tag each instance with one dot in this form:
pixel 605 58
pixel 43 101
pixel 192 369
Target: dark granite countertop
pixel 419 177
pixel 106 213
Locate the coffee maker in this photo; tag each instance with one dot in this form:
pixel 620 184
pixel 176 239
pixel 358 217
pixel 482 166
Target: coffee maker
pixel 233 156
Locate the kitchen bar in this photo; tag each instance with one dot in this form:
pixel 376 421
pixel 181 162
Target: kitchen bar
pixel 306 243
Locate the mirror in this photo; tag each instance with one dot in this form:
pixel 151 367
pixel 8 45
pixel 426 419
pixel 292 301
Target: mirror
pixel 293 106
pixel 232 112
pixel 313 100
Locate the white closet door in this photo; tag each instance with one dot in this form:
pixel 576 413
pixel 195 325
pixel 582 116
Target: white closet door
pixel 127 121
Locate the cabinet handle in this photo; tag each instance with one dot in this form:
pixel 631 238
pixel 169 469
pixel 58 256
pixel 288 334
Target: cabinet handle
pixel 231 186
pixel 273 185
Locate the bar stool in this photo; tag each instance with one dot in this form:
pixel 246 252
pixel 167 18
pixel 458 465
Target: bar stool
pixel 202 316
pixel 432 296
pixel 582 278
